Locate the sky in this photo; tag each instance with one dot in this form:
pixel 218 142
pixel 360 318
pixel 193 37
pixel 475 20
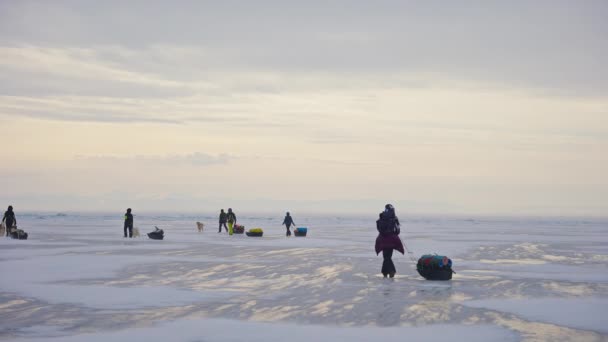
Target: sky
pixel 472 107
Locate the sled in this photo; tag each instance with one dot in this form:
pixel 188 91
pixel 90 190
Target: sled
pixel 19 234
pixel 255 232
pixel 238 229
pixel 435 267
pixel 158 234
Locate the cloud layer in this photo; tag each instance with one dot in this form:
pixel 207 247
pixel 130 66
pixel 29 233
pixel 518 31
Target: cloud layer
pixel 448 108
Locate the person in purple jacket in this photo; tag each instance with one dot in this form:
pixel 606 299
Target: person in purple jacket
pixel 388 239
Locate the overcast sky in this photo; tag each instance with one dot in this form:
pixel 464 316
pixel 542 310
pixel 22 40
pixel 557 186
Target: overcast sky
pixel 439 107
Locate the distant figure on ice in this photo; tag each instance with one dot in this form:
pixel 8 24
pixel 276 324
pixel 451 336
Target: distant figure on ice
pixel 9 219
pixel 388 239
pixel 288 221
pixel 223 219
pixel 129 223
pixel 231 221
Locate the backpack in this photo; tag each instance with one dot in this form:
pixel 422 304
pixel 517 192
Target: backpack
pixel 388 224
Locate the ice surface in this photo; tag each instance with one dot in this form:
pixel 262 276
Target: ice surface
pixel 583 313
pixel 218 330
pixel 78 279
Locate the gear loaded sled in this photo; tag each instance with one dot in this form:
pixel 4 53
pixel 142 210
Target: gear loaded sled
pixel 435 267
pixel 300 231
pixel 18 234
pixel 258 232
pixel 238 229
pixel 157 234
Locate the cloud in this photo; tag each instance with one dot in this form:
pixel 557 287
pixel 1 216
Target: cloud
pixel 175 110
pixel 75 63
pixel 193 159
pixel 493 43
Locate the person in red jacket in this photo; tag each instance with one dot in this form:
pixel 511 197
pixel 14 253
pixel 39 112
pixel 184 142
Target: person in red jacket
pixel 388 239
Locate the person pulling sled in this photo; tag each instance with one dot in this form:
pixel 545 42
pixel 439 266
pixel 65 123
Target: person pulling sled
pixel 388 239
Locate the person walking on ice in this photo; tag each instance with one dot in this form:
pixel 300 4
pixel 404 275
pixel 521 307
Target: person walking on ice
pixel 223 219
pixel 231 217
pixel 9 219
pixel 288 222
pixel 388 239
pixel 129 223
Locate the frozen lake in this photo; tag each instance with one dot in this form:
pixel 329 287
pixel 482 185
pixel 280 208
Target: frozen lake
pixel 78 279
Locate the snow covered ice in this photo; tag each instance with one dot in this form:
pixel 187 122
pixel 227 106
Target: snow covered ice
pixel 78 279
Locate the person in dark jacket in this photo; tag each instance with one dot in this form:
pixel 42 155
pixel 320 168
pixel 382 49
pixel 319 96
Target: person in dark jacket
pixel 129 223
pixel 231 220
pixel 288 221
pixel 388 239
pixel 223 219
pixel 9 219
